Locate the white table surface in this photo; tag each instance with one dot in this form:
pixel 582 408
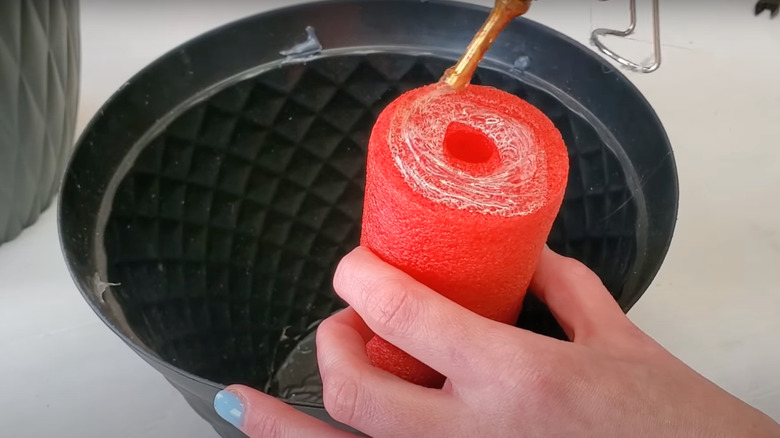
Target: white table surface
pixel 715 304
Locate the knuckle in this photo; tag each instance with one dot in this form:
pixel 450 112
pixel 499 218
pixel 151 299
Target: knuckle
pixel 579 272
pixel 323 335
pixel 530 371
pixel 324 328
pixel 576 268
pixel 535 381
pixel 392 306
pixel 344 273
pixel 514 373
pixel 341 396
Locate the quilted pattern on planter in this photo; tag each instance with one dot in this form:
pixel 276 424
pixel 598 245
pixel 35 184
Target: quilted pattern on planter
pixel 39 81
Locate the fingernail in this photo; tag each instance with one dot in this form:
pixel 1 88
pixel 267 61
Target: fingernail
pixel 230 407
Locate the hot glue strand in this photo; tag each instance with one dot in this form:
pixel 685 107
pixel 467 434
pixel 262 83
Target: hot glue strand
pixel 504 11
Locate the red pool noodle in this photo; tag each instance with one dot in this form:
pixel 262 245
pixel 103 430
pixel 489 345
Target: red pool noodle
pixel 481 252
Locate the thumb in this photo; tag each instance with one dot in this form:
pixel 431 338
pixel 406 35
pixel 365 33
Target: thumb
pixel 259 415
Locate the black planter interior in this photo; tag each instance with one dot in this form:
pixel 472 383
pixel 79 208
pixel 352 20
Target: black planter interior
pixel 208 204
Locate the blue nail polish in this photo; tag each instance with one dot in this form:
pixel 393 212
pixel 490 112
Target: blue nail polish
pixel 229 407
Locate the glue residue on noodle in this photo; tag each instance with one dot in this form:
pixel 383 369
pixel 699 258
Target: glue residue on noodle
pixel 416 135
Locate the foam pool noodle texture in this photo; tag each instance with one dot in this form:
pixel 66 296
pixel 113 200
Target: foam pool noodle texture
pixel 462 189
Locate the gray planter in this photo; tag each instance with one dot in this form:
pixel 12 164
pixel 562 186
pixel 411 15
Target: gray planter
pixel 39 83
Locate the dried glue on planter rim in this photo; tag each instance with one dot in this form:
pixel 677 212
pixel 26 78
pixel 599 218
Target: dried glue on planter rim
pixel 462 189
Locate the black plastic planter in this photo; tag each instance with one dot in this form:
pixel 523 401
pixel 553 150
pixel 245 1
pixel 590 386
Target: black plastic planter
pixel 208 203
pixel 39 84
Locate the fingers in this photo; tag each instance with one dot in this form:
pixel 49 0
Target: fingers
pixel 348 317
pixel 435 330
pixel 259 415
pixel 367 398
pixel 576 297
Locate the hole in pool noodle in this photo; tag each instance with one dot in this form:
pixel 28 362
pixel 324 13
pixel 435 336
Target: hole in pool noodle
pixel 469 149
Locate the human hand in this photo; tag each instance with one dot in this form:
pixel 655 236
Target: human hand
pixel 612 380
